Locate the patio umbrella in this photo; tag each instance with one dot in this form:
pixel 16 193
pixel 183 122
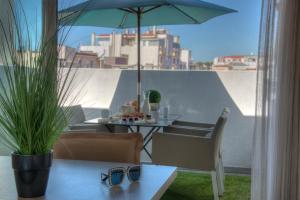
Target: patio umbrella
pixel 137 13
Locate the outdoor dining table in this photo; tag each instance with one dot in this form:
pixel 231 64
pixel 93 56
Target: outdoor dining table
pixel 80 180
pixel 135 127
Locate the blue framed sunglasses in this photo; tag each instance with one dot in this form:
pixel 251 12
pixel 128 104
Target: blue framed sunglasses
pixel 116 175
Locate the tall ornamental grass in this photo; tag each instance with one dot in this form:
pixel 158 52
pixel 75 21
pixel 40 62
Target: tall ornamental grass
pixel 33 87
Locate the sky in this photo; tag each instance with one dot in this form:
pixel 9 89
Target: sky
pixel 231 34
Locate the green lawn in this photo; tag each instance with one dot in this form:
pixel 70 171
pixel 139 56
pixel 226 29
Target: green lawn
pixel 196 186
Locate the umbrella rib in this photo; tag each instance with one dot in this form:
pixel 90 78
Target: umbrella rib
pixel 185 14
pixel 153 8
pixel 131 10
pixel 67 16
pixel 127 10
pixel 123 19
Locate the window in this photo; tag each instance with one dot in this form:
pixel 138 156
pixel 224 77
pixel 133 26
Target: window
pixel 162 43
pixel 103 39
pixel 153 42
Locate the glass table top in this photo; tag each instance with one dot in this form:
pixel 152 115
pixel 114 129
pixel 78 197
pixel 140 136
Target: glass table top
pixel 162 122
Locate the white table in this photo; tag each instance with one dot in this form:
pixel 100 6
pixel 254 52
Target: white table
pixel 80 180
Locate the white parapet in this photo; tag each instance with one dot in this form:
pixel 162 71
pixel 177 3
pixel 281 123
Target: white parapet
pixel 197 96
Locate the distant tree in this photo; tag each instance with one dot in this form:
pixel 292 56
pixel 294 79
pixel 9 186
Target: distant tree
pixel 200 65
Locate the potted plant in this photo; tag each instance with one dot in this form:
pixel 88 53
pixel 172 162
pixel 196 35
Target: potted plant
pixel 154 100
pixel 32 91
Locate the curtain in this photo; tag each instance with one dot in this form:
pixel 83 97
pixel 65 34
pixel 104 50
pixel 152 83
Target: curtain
pixel 276 154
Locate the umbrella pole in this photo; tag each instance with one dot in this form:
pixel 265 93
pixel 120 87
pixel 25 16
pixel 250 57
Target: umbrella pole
pixel 139 13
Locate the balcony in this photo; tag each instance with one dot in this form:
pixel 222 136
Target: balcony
pixel 197 96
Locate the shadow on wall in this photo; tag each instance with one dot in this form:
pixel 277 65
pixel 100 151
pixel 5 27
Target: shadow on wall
pixel 200 96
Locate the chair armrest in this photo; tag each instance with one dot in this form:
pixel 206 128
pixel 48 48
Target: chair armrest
pixel 67 131
pixel 81 126
pixel 186 151
pixel 98 128
pixel 193 124
pixel 188 130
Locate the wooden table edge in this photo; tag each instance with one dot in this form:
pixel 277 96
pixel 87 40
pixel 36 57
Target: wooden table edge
pixel 166 186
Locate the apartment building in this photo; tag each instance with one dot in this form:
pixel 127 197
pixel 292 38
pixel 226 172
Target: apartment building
pixel 159 49
pixel 235 62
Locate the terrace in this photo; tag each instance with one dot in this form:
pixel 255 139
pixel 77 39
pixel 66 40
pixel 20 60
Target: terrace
pixel 197 96
pixel 192 95
pixel 53 149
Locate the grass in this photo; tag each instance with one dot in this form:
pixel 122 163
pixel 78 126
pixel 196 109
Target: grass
pixel 196 186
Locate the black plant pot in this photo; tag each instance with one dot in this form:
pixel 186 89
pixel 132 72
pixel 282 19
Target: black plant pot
pixel 31 174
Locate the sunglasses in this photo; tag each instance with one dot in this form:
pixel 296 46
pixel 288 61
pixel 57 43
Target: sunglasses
pixel 116 175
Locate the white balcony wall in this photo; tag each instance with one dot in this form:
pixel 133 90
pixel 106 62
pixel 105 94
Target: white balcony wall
pixel 197 96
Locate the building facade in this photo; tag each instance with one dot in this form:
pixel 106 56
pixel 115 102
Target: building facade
pixel 159 49
pixel 68 56
pixel 186 59
pixel 247 62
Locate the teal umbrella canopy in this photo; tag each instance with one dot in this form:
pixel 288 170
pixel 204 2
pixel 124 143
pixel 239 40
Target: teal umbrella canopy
pixel 123 13
pixel 137 13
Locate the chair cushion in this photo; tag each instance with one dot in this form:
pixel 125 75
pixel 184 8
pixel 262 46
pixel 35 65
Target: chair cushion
pixel 77 114
pixel 114 147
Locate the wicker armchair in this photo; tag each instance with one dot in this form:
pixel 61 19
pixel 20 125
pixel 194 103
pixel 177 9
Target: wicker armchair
pixel 193 148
